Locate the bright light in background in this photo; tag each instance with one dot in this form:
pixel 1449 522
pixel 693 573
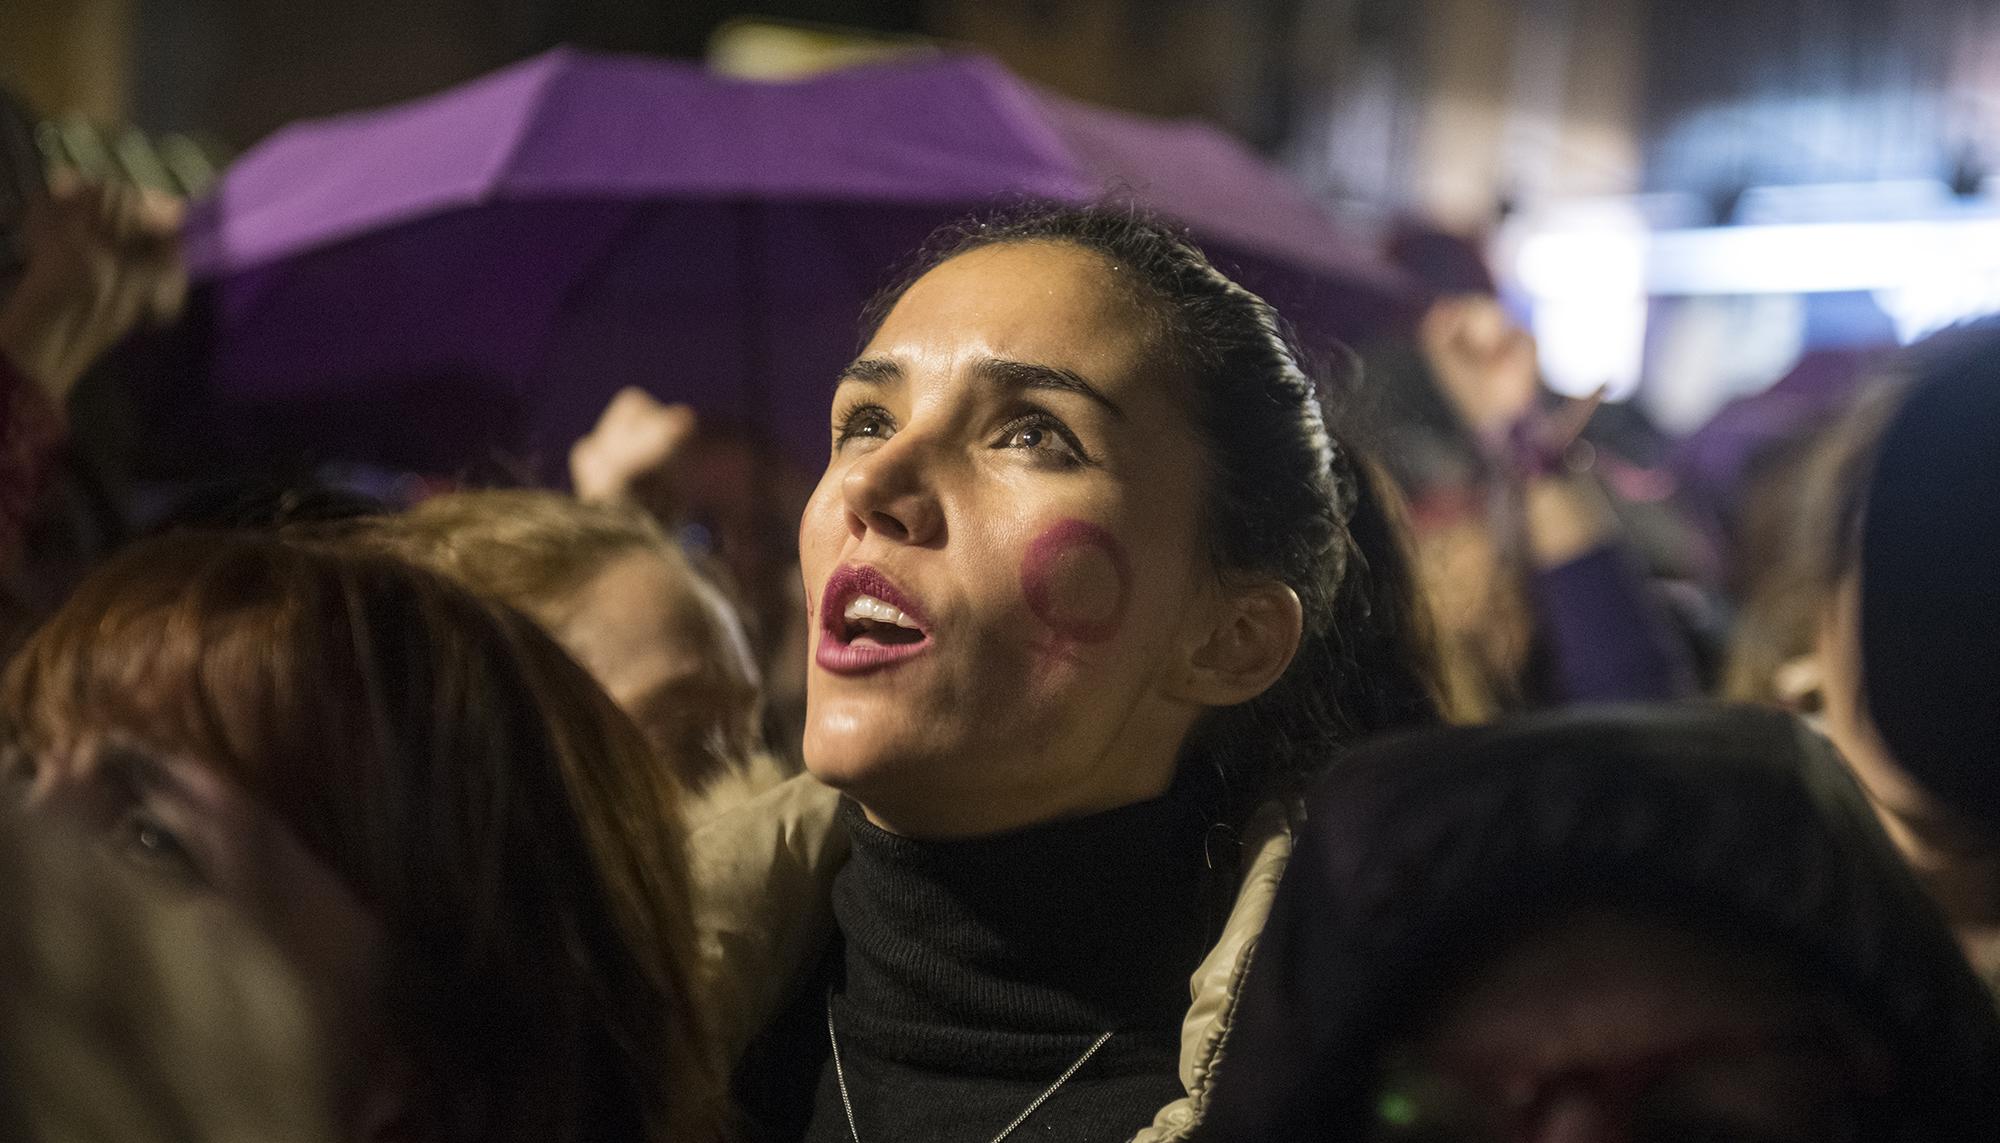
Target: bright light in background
pixel 1922 308
pixel 1925 275
pixel 1587 285
pixel 1827 257
pixel 1589 271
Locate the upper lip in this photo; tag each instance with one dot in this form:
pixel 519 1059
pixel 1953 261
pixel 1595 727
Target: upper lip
pixel 852 581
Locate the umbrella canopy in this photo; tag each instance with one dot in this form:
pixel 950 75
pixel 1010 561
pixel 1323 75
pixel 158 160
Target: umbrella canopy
pixel 481 269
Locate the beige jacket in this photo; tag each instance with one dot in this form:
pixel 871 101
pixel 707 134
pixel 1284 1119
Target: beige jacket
pixel 763 881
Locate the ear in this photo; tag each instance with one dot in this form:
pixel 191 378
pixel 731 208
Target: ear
pixel 1254 635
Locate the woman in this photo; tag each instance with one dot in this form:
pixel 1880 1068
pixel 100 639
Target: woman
pixel 1090 583
pixel 1910 645
pixel 1884 605
pixel 1520 531
pixel 440 821
pixel 1661 926
pixel 1797 549
pixel 664 642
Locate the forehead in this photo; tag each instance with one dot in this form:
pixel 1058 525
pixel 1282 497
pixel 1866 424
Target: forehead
pixel 1048 302
pixel 1611 986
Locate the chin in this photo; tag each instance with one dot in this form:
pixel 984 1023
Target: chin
pixel 849 748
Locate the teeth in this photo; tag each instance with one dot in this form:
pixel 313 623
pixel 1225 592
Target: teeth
pixel 869 607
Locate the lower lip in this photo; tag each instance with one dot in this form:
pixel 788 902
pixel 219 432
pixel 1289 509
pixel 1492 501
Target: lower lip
pixel 841 658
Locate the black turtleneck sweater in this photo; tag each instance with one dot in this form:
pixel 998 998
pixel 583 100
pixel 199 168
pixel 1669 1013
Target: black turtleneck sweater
pixel 973 973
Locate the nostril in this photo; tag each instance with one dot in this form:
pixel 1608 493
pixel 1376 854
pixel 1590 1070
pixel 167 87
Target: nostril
pixel 888 525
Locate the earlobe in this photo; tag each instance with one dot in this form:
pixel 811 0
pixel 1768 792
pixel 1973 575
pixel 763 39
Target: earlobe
pixel 1256 633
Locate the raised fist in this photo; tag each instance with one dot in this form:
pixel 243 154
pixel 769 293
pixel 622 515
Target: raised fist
pixel 630 454
pixel 100 259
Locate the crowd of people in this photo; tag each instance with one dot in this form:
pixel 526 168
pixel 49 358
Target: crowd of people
pixel 1147 739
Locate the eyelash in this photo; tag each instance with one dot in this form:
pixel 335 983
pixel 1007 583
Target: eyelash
pixel 844 425
pixel 1042 419
pixel 852 423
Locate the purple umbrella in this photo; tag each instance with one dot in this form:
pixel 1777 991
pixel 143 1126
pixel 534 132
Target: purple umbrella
pixel 480 270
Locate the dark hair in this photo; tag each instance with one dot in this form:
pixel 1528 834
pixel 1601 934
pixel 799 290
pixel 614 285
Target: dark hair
pixel 465 779
pixel 1424 854
pixel 1287 500
pixel 1925 553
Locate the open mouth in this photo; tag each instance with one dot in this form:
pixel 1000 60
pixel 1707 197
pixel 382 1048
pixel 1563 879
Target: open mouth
pixel 867 619
pixel 867 622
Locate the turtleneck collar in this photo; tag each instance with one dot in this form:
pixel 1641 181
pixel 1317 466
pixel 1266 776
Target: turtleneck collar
pixel 1013 946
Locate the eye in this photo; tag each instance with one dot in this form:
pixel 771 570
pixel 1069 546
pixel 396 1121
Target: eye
pixel 1041 432
pixel 146 842
pixel 862 422
pixel 1030 436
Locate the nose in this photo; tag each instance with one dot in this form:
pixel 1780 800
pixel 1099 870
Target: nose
pixel 890 492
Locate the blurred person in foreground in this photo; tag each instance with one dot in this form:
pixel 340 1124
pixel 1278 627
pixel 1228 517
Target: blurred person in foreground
pixel 1913 678
pixel 1538 589
pixel 629 605
pixel 126 1017
pixel 443 825
pixel 1885 603
pixel 1632 926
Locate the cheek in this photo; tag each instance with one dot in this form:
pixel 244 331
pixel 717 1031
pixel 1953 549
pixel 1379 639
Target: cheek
pixel 1077 579
pixel 822 532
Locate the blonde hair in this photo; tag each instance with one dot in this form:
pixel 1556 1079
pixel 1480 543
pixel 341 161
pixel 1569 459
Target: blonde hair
pixel 526 547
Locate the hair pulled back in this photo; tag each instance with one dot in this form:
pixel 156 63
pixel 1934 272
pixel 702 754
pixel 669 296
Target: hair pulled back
pixel 1286 500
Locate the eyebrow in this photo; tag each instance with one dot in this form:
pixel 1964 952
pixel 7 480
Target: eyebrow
pixel 140 771
pixel 1005 372
pixel 870 371
pixel 1033 375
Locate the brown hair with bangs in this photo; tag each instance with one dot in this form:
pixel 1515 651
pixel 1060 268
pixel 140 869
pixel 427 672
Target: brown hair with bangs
pixel 468 782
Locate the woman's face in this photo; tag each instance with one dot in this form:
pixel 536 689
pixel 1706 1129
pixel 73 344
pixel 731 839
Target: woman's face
pixel 179 823
pixel 1002 559
pixel 1606 1028
pixel 669 649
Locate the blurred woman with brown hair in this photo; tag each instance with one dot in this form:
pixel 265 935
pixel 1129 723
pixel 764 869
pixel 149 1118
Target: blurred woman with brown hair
pixel 436 816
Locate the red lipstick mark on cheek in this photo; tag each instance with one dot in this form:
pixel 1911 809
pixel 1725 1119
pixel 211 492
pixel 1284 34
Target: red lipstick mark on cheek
pixel 1076 578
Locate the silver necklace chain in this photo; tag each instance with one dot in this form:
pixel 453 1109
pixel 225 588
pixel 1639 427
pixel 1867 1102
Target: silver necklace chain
pixel 847 1105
